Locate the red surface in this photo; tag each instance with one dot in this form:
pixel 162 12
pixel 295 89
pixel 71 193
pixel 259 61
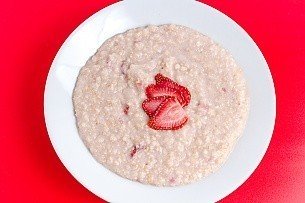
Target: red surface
pixel 31 34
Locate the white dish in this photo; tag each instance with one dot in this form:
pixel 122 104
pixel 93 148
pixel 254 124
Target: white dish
pixel 117 18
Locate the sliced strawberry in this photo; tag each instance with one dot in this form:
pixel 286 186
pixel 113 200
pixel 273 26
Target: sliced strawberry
pixel 150 105
pixel 165 81
pixel 159 78
pixel 185 94
pixel 169 116
pixel 161 90
pixel 169 83
pixel 183 90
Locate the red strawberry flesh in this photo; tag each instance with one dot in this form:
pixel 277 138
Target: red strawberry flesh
pixel 161 90
pixel 150 105
pixel 169 116
pixel 159 78
pixel 165 81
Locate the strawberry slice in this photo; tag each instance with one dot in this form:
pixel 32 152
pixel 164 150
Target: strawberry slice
pixel 159 78
pixel 183 90
pixel 165 81
pixel 169 116
pixel 186 95
pixel 150 105
pixel 162 90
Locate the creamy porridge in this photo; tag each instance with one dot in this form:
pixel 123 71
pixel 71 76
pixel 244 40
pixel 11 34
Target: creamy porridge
pixel 109 99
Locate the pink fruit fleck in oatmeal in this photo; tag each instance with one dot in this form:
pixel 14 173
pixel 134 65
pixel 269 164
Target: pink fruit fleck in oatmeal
pixel 126 109
pixel 135 149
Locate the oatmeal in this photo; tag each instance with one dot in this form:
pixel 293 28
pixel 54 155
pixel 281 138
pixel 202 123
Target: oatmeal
pixel 111 91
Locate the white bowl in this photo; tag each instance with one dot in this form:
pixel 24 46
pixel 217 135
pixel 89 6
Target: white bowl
pixel 117 18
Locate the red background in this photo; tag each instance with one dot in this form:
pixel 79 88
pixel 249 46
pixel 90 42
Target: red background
pixel 31 32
